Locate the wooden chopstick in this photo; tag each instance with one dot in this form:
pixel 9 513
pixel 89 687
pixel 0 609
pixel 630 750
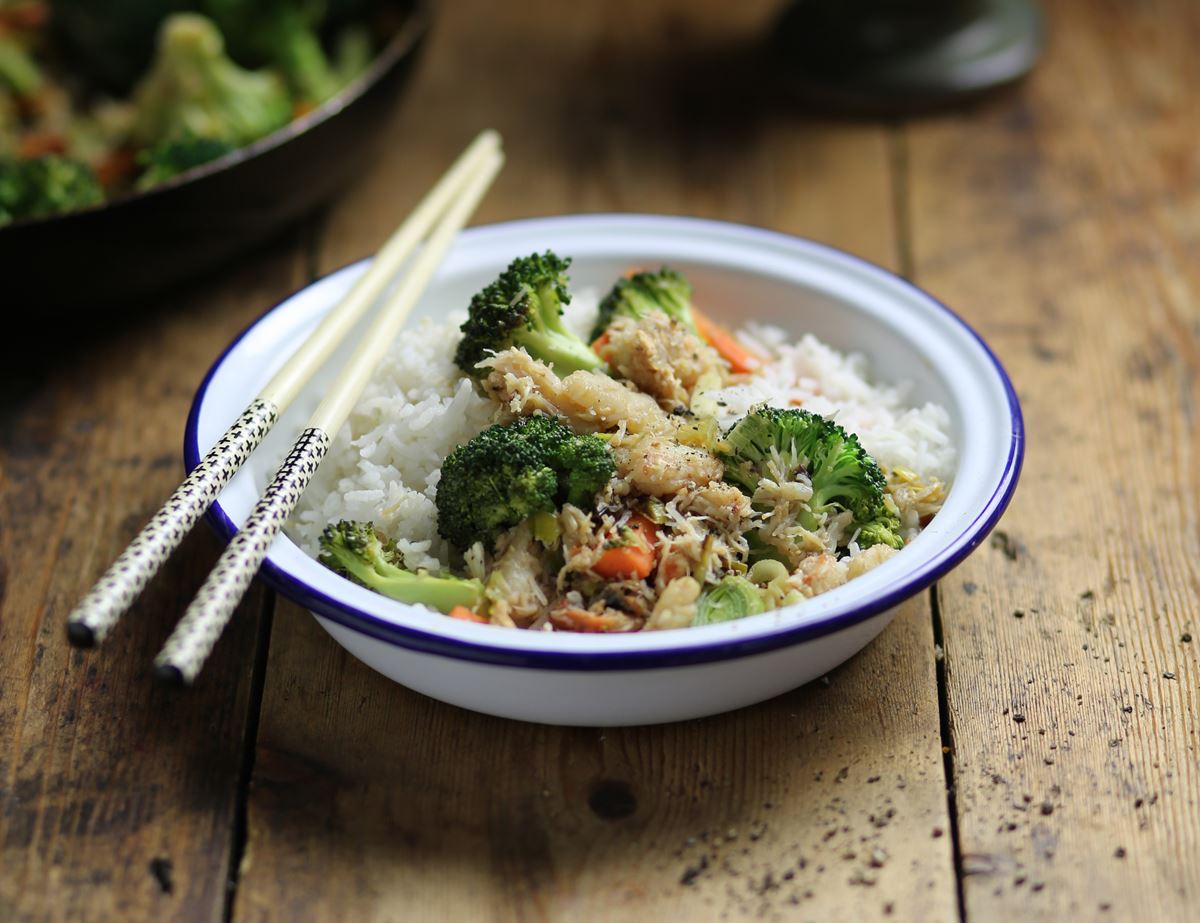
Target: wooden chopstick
pixel 193 638
pixel 96 614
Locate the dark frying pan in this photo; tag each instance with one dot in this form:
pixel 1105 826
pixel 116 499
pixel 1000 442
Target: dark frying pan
pixel 127 249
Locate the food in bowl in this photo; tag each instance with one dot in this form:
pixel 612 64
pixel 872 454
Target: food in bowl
pixel 98 100
pixel 563 462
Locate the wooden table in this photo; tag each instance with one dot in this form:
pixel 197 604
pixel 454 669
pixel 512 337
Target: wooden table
pixel 1021 743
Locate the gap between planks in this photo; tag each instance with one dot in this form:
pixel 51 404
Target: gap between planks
pixel 310 241
pixel 898 167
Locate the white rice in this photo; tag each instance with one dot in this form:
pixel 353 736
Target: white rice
pixel 385 463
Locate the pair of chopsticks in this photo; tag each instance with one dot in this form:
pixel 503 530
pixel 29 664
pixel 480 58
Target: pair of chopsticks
pixel 443 212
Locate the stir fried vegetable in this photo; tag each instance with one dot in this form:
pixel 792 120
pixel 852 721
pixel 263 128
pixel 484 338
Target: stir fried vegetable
pixel 619 497
pixel 139 91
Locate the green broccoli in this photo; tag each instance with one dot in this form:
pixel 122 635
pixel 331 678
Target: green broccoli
pixel 193 89
pixel 732 598
pixel 353 49
pixel 356 551
pixel 523 307
pixel 643 292
pixel 512 471
pixel 45 186
pixel 18 71
pixel 780 444
pixel 282 34
pixel 170 158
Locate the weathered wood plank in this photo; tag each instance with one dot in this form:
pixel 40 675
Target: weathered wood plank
pixel 371 802
pixel 117 795
pixel 1061 221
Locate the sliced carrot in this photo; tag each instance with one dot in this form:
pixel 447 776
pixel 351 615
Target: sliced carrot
pixel 117 166
pixel 739 358
pixel 467 615
pixel 600 342
pixel 635 560
pixel 40 143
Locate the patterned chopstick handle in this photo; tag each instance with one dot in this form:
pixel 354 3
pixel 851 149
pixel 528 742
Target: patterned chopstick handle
pixel 193 638
pixel 101 608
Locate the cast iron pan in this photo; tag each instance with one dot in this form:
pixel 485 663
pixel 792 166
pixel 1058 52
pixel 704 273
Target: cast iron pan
pixel 130 248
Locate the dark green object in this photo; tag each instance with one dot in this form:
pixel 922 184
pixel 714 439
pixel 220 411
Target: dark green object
pixel 356 551
pixel 279 33
pixel 885 57
pixel 523 307
pixel 45 186
pixel 781 444
pixel 666 290
pixel 170 158
pixel 511 471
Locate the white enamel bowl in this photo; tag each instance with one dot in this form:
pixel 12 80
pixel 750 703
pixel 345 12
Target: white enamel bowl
pixel 644 678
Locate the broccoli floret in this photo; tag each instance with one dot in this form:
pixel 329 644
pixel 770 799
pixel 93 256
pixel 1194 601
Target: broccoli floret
pixel 512 471
pixel 733 598
pixel 45 186
pixel 282 34
pixel 353 49
pixel 524 308
pixel 779 444
pixel 170 158
pixel 643 292
pixel 359 553
pixel 194 90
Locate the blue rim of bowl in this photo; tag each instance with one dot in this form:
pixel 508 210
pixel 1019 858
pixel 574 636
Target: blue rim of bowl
pixel 412 639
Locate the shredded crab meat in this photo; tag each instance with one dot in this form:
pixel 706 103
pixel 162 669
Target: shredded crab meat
pixel 676 606
pixel 514 591
pixel 591 402
pixel 658 466
pixel 820 573
pixel 917 500
pixel 662 358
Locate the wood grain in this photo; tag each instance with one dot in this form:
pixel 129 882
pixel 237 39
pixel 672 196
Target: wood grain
pixel 117 795
pixel 371 802
pixel 1062 222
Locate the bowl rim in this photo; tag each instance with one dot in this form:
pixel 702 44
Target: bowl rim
pixel 400 45
pixel 955 549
